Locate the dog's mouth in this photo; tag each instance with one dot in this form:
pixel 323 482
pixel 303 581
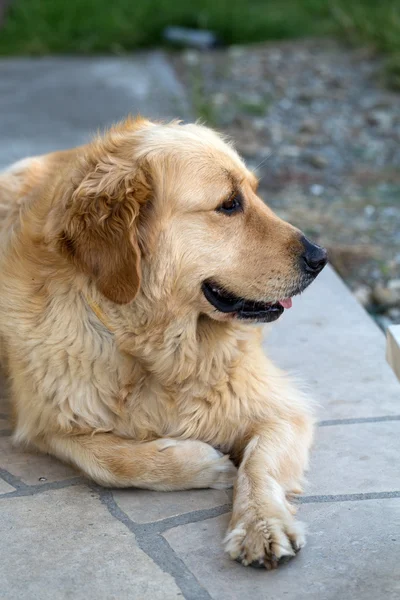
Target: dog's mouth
pixel 241 308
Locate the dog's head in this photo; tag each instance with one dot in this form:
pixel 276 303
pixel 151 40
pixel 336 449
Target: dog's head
pixel 172 210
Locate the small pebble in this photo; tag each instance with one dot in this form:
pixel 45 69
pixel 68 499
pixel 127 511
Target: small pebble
pixel 290 151
pixel 219 99
pixel 363 295
pixel 380 119
pixel 191 57
pixel 316 189
pixel 369 210
pixel 394 285
pixel 309 126
pixel 236 51
pixel 285 104
pixel 385 297
pixel 318 161
pixel 394 314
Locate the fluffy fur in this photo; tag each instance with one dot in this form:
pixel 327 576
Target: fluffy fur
pixel 117 362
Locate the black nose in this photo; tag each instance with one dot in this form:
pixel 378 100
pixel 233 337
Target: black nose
pixel 314 257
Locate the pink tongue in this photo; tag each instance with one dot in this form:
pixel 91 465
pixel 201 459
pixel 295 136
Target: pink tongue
pixel 286 303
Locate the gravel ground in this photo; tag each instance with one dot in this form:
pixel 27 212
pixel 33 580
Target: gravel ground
pixel 316 122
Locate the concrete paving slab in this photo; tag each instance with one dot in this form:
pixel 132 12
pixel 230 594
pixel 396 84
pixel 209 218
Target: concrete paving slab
pixel 30 467
pixel 5 488
pixel 329 341
pixel 54 103
pixel 352 553
pixel 143 506
pixel 357 458
pixel 65 544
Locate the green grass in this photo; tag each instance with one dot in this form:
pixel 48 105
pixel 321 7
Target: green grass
pixel 90 26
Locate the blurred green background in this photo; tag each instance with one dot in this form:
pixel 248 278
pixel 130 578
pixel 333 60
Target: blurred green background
pixel 87 26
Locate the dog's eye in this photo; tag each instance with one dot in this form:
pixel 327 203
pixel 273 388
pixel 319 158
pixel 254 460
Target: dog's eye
pixel 233 205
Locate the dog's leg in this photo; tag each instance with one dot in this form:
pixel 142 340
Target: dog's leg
pixel 262 530
pixel 163 464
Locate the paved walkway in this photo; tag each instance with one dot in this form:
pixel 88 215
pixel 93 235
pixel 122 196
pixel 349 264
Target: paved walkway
pixel 49 103
pixel 61 537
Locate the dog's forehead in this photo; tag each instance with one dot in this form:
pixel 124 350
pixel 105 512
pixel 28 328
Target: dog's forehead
pixel 213 148
pixel 210 153
pixel 219 171
pixel 220 156
pixel 190 143
pixel 195 163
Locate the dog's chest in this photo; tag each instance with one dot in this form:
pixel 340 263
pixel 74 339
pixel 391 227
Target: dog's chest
pixel 204 412
pixel 199 393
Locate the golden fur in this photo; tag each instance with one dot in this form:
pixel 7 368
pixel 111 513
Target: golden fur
pixel 117 362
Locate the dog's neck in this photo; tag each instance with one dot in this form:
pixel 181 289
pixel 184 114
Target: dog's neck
pixel 177 348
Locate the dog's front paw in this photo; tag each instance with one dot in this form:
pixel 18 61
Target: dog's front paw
pixel 202 466
pixel 264 541
pixel 224 474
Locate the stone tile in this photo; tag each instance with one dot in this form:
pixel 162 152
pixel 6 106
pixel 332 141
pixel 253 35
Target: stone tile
pixel 352 552
pixel 351 459
pixel 31 466
pixel 65 544
pixel 143 506
pixel 330 342
pixel 5 488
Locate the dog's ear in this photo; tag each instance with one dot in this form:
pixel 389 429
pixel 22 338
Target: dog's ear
pixel 100 221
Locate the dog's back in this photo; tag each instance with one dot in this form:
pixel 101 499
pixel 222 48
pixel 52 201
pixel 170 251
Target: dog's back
pixel 17 183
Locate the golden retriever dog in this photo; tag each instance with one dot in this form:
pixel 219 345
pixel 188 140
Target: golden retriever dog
pixel 135 274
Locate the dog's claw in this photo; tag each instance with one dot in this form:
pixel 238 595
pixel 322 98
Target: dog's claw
pixel 257 564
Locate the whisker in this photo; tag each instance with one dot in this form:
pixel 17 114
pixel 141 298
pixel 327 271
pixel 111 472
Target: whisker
pixel 262 163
